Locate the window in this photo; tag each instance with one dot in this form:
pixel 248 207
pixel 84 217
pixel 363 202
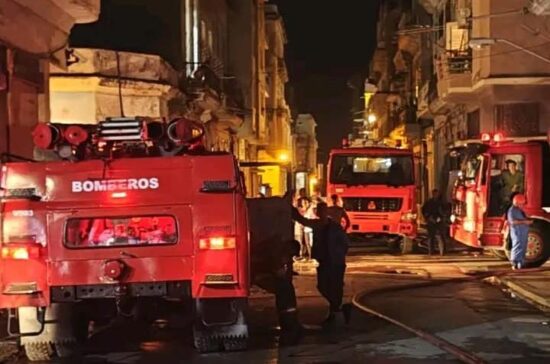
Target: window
pixel 364 170
pixel 507 178
pixel 97 232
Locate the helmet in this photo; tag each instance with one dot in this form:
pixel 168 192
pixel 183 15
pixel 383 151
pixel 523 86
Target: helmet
pixel 519 199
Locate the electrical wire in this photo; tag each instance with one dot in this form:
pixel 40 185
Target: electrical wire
pixel 513 51
pixel 120 100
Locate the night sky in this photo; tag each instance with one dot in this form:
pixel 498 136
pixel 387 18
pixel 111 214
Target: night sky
pixel 330 43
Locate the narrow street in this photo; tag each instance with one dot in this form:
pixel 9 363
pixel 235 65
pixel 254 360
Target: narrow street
pixel 479 317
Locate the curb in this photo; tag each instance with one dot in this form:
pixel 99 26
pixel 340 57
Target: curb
pixel 527 295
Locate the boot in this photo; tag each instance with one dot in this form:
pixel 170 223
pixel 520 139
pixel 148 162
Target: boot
pixel 291 329
pixel 346 310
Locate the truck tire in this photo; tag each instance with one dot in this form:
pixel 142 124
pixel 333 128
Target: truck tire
pixel 39 351
pixel 407 245
pixel 538 245
pixel 220 325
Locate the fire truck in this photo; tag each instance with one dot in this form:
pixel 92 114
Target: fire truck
pixel 130 215
pixel 377 187
pixel 484 189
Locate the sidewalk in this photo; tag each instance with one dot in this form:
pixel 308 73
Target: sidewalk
pixel 533 287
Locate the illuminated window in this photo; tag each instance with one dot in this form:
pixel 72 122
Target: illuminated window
pixel 120 231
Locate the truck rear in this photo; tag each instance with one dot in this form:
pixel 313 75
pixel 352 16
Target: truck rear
pixel 378 191
pixel 88 239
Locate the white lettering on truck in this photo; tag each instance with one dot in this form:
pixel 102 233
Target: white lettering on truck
pixel 115 185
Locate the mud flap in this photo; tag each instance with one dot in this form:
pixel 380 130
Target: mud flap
pixel 58 326
pixel 220 325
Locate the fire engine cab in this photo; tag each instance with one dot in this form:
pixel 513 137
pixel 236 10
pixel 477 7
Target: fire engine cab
pixel 493 169
pixel 377 187
pixel 127 216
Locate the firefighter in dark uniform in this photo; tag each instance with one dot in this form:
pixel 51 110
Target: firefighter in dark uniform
pixel 434 212
pixel 272 271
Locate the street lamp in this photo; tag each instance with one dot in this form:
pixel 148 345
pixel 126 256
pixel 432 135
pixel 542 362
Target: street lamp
pixel 478 43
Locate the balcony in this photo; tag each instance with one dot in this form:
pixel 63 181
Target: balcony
pixel 454 76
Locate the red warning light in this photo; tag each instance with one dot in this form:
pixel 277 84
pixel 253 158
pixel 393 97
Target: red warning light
pixel 498 137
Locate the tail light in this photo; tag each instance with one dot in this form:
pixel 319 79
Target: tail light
pixel 485 137
pixel 217 243
pixel 20 251
pixel 408 216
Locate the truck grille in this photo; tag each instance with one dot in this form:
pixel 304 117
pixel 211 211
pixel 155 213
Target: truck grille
pixel 374 204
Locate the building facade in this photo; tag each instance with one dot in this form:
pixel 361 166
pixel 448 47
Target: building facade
pixel 305 151
pixel 278 139
pixel 454 92
pixel 32 33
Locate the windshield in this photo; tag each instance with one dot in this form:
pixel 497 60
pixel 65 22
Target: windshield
pixel 372 170
pixel 120 231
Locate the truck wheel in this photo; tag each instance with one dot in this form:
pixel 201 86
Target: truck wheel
pixel 407 245
pixel 220 325
pixel 500 254
pixel 538 246
pixel 39 351
pixel 58 333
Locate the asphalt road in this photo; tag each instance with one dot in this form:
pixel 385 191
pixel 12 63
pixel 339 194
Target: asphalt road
pixel 474 315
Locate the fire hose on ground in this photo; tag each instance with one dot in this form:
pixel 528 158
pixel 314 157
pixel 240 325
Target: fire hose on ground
pixel 458 352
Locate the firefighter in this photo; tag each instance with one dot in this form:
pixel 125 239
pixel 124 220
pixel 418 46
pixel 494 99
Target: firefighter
pixel 433 211
pixel 272 271
pixel 330 246
pixel 512 182
pixel 519 230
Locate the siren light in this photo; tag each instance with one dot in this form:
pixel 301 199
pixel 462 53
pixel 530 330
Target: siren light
pixel 45 136
pixel 185 131
pixel 495 138
pixel 485 137
pixel 75 135
pixel 498 137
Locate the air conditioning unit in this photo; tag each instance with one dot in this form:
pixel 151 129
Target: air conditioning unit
pixel 539 7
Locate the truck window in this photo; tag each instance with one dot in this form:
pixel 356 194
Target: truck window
pixel 97 232
pixel 372 170
pixel 507 178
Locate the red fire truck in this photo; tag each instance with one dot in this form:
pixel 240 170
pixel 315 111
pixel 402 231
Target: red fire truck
pixel 377 187
pixel 123 215
pixel 484 188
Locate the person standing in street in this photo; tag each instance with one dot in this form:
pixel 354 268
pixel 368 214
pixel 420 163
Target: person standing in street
pixel 330 247
pixel 519 230
pixel 433 212
pixel 338 214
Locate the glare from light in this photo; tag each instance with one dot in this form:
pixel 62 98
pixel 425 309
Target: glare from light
pixel 371 118
pixel 314 181
pixel 283 157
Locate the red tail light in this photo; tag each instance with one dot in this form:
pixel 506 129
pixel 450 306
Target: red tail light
pixel 217 243
pixel 20 252
pixel 485 137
